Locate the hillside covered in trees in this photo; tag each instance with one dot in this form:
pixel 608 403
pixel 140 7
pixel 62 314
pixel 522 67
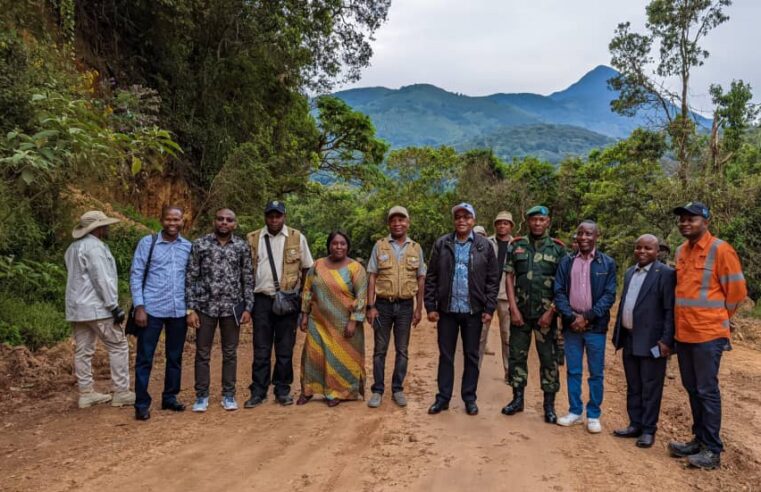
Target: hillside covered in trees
pixel 138 104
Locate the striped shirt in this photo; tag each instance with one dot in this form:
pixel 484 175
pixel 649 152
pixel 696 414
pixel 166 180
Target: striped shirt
pixel 164 293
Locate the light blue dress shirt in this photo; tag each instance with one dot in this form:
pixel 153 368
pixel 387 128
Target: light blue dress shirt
pixel 164 293
pixel 635 285
pixel 460 302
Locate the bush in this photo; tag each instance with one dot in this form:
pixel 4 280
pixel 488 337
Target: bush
pixel 36 324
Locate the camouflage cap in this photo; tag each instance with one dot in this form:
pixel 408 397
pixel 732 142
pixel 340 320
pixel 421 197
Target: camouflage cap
pixel 538 210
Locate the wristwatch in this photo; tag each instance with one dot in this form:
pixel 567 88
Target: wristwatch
pixel 370 306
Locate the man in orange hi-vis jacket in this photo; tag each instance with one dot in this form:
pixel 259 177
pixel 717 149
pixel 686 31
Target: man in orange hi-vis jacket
pixel 709 287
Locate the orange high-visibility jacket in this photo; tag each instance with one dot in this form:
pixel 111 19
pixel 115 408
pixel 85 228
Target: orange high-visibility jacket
pixel 709 287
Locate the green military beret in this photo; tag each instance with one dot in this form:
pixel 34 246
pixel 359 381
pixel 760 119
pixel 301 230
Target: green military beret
pixel 538 210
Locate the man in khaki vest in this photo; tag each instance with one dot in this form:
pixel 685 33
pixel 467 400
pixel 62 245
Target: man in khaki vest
pixel 503 234
pixel 397 278
pixel 292 258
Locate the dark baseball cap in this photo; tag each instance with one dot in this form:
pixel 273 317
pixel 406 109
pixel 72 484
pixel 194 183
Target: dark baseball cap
pixel 275 206
pixel 693 208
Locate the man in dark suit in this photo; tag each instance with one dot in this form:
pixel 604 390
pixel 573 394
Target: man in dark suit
pixel 645 330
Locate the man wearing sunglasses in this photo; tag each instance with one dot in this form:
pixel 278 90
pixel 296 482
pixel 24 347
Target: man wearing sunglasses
pixel 219 286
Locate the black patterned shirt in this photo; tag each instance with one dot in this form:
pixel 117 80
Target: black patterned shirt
pixel 219 277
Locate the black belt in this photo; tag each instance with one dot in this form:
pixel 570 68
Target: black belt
pixel 393 300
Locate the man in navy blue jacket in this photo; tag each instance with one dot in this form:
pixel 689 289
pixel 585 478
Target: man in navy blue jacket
pixel 645 330
pixel 585 290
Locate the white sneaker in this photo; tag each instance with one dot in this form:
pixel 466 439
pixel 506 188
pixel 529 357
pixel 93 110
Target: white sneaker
pixel 123 399
pixel 570 419
pixel 593 426
pixel 90 398
pixel 201 404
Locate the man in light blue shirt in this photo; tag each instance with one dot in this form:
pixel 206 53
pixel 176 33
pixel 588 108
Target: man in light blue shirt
pixel 158 294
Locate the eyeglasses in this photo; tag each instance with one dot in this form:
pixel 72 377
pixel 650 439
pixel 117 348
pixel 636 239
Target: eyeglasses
pixel 225 219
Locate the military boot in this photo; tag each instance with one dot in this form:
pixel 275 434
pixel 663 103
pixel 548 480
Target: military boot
pixel 549 408
pixel 516 405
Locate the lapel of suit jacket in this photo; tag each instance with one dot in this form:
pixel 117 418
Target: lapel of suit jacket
pixel 649 281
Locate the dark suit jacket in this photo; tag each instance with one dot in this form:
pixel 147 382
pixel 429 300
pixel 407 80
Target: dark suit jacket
pixel 653 311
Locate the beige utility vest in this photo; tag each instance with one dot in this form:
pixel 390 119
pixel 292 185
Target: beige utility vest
pixel 397 279
pixel 291 257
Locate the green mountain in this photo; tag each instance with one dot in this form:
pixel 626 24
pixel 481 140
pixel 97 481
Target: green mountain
pixel 549 142
pixel 423 114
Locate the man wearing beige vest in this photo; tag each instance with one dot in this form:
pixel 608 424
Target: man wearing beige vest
pixel 291 259
pixel 397 278
pixel 503 229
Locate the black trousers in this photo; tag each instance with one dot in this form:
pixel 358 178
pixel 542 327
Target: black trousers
pixel 230 333
pixel 393 317
pixel 469 326
pixel 644 387
pixel 280 331
pixel 699 368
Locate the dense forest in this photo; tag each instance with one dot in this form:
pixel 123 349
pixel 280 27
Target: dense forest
pixel 136 104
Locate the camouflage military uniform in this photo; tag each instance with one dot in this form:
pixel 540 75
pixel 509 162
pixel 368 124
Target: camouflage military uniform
pixel 533 263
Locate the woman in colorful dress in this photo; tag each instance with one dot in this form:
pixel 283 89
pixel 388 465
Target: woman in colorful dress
pixel 333 312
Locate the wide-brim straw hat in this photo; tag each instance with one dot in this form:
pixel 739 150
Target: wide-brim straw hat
pixel 89 221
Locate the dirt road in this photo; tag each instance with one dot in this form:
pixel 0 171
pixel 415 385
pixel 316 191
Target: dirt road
pixel 51 445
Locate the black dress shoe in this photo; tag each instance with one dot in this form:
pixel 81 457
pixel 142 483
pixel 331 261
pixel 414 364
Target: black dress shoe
pixel 438 407
pixel 645 440
pixel 254 401
pixel 142 414
pixel 285 400
pixel 705 459
pixel 629 431
pixel 173 405
pixel 471 408
pixel 684 449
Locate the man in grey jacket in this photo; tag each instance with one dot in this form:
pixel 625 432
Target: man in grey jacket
pixel 92 307
pixel 503 234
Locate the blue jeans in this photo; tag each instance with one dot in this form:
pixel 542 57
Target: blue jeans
pixel 575 345
pixel 147 340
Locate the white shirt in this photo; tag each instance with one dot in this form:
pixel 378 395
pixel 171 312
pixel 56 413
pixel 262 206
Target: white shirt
pixel 264 283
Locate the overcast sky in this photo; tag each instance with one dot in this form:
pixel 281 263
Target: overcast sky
pixel 480 47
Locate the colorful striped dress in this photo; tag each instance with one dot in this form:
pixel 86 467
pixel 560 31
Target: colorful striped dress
pixel 331 364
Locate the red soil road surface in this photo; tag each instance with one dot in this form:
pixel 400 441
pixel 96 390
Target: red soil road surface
pixel 49 444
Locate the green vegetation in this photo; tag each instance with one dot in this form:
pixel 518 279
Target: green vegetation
pixel 102 100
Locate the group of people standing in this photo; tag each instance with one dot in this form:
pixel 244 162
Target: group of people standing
pixel 561 297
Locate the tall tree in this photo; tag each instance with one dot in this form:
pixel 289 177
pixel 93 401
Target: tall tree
pixel 734 114
pixel 677 28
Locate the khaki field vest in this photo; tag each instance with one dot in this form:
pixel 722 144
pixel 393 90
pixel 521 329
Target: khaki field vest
pixel 397 279
pixel 291 257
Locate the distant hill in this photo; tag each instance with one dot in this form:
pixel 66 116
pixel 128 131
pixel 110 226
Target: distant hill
pixel 549 142
pixel 423 114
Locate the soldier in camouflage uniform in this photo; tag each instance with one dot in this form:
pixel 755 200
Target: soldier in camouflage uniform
pixel 530 273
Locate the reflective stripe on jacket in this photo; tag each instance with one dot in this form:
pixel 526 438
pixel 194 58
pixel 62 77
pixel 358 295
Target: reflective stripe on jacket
pixel 709 287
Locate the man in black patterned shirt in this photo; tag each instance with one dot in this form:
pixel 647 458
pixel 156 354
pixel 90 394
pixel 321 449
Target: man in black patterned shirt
pixel 218 278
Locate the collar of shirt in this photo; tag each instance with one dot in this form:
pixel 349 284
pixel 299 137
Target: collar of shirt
pixel 702 243
pixel 645 268
pixel 283 231
pixel 589 257
pixel 407 240
pixel 471 237
pixel 179 239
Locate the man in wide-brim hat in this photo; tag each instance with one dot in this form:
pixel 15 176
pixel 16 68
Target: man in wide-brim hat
pixel 92 307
